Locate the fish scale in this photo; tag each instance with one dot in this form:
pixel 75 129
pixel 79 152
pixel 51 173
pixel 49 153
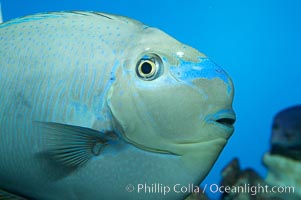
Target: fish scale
pixel 74 94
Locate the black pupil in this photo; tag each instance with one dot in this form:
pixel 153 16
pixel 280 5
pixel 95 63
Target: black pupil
pixel 146 68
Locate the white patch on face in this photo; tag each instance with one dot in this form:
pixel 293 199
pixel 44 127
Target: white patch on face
pixel 198 68
pixel 180 54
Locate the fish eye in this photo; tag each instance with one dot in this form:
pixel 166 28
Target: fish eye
pixel 275 127
pixel 149 67
pixel 146 68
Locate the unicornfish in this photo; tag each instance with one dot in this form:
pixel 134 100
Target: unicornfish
pixel 100 106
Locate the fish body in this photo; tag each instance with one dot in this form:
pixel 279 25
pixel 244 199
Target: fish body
pixel 92 105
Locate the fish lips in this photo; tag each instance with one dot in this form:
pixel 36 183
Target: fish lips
pixel 222 122
pixel 223 119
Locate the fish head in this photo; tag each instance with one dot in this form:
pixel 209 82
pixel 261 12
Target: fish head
pixel 286 127
pixel 170 98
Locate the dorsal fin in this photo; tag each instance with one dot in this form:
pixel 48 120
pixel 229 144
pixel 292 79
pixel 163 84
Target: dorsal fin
pixel 64 14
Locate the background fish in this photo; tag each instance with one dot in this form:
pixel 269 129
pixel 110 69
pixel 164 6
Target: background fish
pixel 92 102
pixel 283 162
pixel 286 133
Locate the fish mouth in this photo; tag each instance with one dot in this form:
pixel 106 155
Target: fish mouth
pixel 229 122
pixel 224 119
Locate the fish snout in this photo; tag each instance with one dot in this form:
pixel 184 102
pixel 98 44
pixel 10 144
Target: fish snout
pixel 206 77
pixel 216 89
pixel 205 69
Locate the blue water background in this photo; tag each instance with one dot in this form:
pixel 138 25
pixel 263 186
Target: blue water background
pixel 257 42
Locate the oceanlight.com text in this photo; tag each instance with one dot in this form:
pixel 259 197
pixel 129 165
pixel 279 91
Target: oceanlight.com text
pixel 157 188
pixel 250 189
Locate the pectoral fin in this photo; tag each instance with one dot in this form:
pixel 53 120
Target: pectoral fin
pixel 73 146
pixel 4 195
